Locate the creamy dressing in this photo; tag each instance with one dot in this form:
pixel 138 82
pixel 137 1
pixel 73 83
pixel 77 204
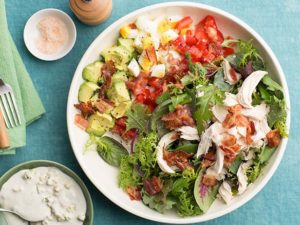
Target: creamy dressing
pixel 43 193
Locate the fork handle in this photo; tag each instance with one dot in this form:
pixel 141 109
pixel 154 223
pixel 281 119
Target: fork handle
pixel 4 141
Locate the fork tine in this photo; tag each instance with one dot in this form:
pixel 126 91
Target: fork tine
pixel 4 114
pixel 15 108
pixel 6 110
pixel 10 106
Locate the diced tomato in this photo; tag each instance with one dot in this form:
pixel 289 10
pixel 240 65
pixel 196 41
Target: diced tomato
pixel 130 134
pixel 195 53
pixel 140 98
pixel 154 82
pixel 180 45
pixel 207 56
pixel 184 23
pixel 190 39
pixel 228 51
pixel 121 122
pixel 209 21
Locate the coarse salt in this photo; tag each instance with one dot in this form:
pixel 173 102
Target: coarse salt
pixel 53 35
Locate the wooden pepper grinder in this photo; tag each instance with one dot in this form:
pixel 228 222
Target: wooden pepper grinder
pixel 91 12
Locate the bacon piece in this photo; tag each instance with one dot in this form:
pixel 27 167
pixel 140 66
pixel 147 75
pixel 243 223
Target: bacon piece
pixel 182 116
pixel 208 159
pixel 178 158
pixel 236 109
pixel 230 150
pixel 228 159
pixel 134 193
pixel 209 180
pixel 86 108
pixel 120 128
pixel 102 105
pixel 153 185
pixel 273 138
pixel 108 69
pixel 229 140
pixel 81 122
pixel 151 54
pixel 138 85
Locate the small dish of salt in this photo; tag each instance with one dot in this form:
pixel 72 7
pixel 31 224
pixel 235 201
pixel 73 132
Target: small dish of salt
pixel 49 34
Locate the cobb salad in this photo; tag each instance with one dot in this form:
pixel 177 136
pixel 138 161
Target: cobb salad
pixel 187 114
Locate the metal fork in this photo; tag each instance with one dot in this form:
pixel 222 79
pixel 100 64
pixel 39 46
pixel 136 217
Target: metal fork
pixel 8 106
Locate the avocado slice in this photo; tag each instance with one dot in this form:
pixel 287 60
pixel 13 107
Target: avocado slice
pixel 92 72
pixel 127 43
pixel 118 93
pixel 119 76
pixel 86 91
pixel 120 55
pixel 121 109
pixel 99 123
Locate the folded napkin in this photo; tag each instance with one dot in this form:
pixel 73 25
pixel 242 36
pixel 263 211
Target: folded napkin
pixel 14 73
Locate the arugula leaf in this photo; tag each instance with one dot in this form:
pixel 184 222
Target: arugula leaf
pixel 160 202
pixel 179 100
pixel 110 150
pixel 211 96
pixel 220 82
pixel 197 73
pixel 160 110
pixel 138 117
pixel 128 174
pixel 271 84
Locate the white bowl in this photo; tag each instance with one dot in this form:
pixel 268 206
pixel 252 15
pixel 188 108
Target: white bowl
pixel 31 33
pixel 104 176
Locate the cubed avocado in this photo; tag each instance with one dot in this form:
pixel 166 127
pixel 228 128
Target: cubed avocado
pixel 121 109
pixel 99 123
pixel 118 92
pixel 127 43
pixel 92 72
pixel 86 91
pixel 120 55
pixel 119 76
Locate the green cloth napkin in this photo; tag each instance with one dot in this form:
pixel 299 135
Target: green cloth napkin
pixel 14 73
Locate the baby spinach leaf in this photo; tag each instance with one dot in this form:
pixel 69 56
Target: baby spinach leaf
pixel 220 82
pixel 110 150
pixel 138 118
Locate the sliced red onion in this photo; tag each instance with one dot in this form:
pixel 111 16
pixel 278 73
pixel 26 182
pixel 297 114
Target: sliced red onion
pixel 133 141
pixel 203 190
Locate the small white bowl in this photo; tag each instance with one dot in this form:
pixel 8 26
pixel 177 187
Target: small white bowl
pixel 31 33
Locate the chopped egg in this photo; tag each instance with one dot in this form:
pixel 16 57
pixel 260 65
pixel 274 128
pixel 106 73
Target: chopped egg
pixel 138 41
pixel 128 32
pixel 145 24
pixel 134 67
pixel 158 70
pixel 144 61
pixel 168 36
pixel 147 42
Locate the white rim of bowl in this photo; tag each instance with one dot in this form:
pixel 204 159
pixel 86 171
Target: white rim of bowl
pixel 58 56
pixel 281 149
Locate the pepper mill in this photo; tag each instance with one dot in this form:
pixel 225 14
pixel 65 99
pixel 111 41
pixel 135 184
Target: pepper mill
pixel 91 12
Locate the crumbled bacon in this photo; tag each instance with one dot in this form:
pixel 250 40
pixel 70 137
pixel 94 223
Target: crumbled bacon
pixel 86 108
pixel 273 138
pixel 138 85
pixel 182 116
pixel 231 150
pixel 208 159
pixel 178 158
pixel 228 159
pixel 229 140
pixel 153 186
pixel 81 122
pixel 209 180
pixel 134 193
pixel 108 69
pixel 102 105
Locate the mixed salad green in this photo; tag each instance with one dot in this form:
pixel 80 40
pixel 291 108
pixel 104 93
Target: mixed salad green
pixel 186 114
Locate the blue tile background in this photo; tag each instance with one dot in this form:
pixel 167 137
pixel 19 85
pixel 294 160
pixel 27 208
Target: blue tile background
pixel 278 22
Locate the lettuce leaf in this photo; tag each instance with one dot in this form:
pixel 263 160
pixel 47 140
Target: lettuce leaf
pixel 211 95
pixel 110 150
pixel 138 118
pixel 128 174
